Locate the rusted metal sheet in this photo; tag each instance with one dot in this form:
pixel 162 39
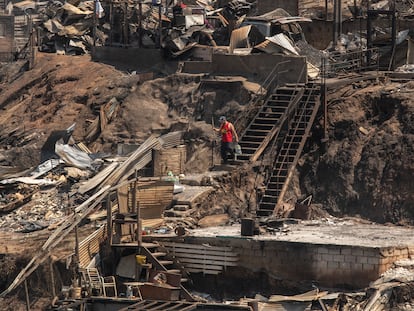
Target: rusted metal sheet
pixel 160 292
pixel 151 305
pixel 171 139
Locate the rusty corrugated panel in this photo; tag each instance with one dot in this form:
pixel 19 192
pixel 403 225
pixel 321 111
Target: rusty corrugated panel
pixel 172 139
pixel 149 305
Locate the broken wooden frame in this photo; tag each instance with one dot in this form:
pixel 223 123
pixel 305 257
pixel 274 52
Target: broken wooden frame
pixel 204 259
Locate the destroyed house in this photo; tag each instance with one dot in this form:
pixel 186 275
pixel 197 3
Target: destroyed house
pixel 278 21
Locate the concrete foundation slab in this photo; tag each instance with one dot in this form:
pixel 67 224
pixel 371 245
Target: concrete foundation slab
pixel 332 252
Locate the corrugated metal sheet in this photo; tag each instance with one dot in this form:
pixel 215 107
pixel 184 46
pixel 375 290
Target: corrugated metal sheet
pixel 276 44
pixel 171 139
pixel 279 16
pixel 90 246
pixel 152 305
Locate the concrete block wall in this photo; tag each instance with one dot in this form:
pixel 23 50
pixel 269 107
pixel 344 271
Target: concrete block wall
pixel 327 265
pixel 392 254
pixel 128 58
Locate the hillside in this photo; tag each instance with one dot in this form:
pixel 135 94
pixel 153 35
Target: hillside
pixel 363 169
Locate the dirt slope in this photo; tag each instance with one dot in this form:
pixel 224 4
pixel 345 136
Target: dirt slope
pixel 364 169
pixel 367 167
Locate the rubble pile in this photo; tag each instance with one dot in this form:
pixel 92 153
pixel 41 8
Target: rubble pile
pixel 45 208
pixel 65 28
pixel 74 27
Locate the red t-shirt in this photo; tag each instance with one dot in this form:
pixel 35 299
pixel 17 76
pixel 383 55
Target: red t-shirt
pixel 226 133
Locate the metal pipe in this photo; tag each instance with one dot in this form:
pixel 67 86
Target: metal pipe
pixel 160 24
pixel 26 291
pixel 140 24
pixel 393 38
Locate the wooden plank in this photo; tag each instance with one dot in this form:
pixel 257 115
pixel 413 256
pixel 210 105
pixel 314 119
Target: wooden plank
pixel 202 266
pixel 102 214
pixel 221 263
pixel 206 256
pixel 98 178
pixel 197 246
pixel 130 165
pixel 183 251
pixel 169 160
pixel 205 271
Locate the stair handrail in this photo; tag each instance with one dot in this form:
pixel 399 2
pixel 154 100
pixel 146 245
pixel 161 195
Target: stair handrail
pixel 297 155
pixel 294 111
pixel 290 112
pixel 272 147
pixel 261 94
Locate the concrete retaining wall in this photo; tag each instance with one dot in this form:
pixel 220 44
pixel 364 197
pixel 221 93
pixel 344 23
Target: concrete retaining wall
pixel 329 265
pixel 128 58
pixel 260 66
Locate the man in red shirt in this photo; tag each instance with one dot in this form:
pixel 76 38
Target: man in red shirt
pixel 228 134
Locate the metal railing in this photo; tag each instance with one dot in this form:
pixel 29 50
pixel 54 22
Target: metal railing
pixel 267 87
pixel 337 63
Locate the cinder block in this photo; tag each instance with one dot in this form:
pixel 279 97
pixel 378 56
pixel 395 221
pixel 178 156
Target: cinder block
pixel 369 267
pixel 339 258
pixel 345 266
pixel 362 259
pixel 322 250
pixel 327 257
pixel 346 251
pixel 350 258
pixel 370 252
pixel 357 267
pixel 333 265
pixel 334 251
pixel 373 260
pixel 357 252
